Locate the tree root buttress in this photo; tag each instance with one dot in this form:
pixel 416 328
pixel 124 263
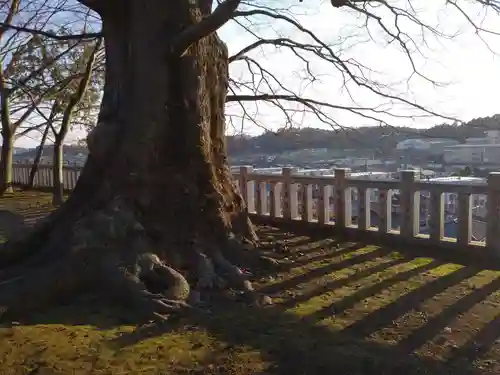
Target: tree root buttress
pixel 111 254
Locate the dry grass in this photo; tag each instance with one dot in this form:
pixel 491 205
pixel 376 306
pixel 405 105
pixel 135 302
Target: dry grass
pixel 339 308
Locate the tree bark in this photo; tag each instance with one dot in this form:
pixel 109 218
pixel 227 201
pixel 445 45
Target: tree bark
pixel 155 208
pixel 38 157
pixel 57 171
pixel 6 162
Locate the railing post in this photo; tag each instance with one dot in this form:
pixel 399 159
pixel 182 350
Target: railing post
pixel 343 203
pixel 363 208
pixel 274 199
pixel 323 207
pixel 261 201
pixel 410 204
pixel 385 211
pixel 307 209
pixel 493 214
pixel 245 188
pixel 464 232
pixel 290 210
pixel 437 216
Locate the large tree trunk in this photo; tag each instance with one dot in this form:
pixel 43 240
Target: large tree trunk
pixel 155 208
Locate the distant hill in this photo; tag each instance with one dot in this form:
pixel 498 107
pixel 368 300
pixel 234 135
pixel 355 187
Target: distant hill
pixel 20 150
pixel 379 139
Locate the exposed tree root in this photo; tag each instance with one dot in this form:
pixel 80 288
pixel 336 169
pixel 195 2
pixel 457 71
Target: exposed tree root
pixel 111 254
pixel 132 292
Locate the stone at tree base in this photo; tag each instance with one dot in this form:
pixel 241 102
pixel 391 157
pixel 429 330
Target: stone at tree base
pixel 265 301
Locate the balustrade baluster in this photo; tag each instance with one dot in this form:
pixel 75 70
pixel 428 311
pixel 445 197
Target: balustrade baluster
pixel 323 206
pixel 307 209
pixel 245 188
pixel 385 211
pixel 343 202
pixel 275 199
pixel 290 209
pixel 261 198
pixel 436 222
pixel 410 204
pixel 464 228
pixel 363 208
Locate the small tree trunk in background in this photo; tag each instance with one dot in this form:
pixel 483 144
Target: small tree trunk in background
pixel 74 100
pixel 6 162
pixel 57 172
pixel 38 157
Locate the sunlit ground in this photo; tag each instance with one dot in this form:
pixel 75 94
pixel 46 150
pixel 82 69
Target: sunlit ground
pixel 339 308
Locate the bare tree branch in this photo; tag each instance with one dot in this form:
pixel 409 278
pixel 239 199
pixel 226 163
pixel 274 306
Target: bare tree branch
pixel 47 34
pixel 223 13
pixel 396 24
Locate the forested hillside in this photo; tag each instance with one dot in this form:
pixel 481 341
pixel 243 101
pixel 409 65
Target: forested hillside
pixel 380 138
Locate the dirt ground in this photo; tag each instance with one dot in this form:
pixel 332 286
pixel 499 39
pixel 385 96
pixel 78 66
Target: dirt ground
pixel 338 308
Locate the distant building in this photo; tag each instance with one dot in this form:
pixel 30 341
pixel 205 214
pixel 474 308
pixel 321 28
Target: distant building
pixel 478 150
pixel 431 146
pixel 491 137
pixel 472 154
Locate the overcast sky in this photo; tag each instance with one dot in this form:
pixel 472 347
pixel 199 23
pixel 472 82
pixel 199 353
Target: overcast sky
pixel 468 68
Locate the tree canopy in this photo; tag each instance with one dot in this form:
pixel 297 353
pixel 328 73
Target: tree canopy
pixel 261 94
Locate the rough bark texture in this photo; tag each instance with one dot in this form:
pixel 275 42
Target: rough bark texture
pixel 6 162
pixel 57 172
pixel 155 216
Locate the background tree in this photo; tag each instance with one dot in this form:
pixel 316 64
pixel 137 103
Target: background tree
pixel 155 212
pixel 73 104
pixel 23 59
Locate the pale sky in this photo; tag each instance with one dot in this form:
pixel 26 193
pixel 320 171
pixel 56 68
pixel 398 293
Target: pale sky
pixel 469 67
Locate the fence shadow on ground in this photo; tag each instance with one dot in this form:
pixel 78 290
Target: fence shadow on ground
pixel 298 341
pixel 298 346
pixel 343 307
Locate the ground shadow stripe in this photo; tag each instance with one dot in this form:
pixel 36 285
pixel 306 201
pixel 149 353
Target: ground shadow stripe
pixel 334 284
pixel 387 314
pixel 322 257
pixel 434 325
pixel 351 300
pixel 321 271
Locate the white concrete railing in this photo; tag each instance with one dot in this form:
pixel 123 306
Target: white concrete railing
pixel 328 201
pixel 334 201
